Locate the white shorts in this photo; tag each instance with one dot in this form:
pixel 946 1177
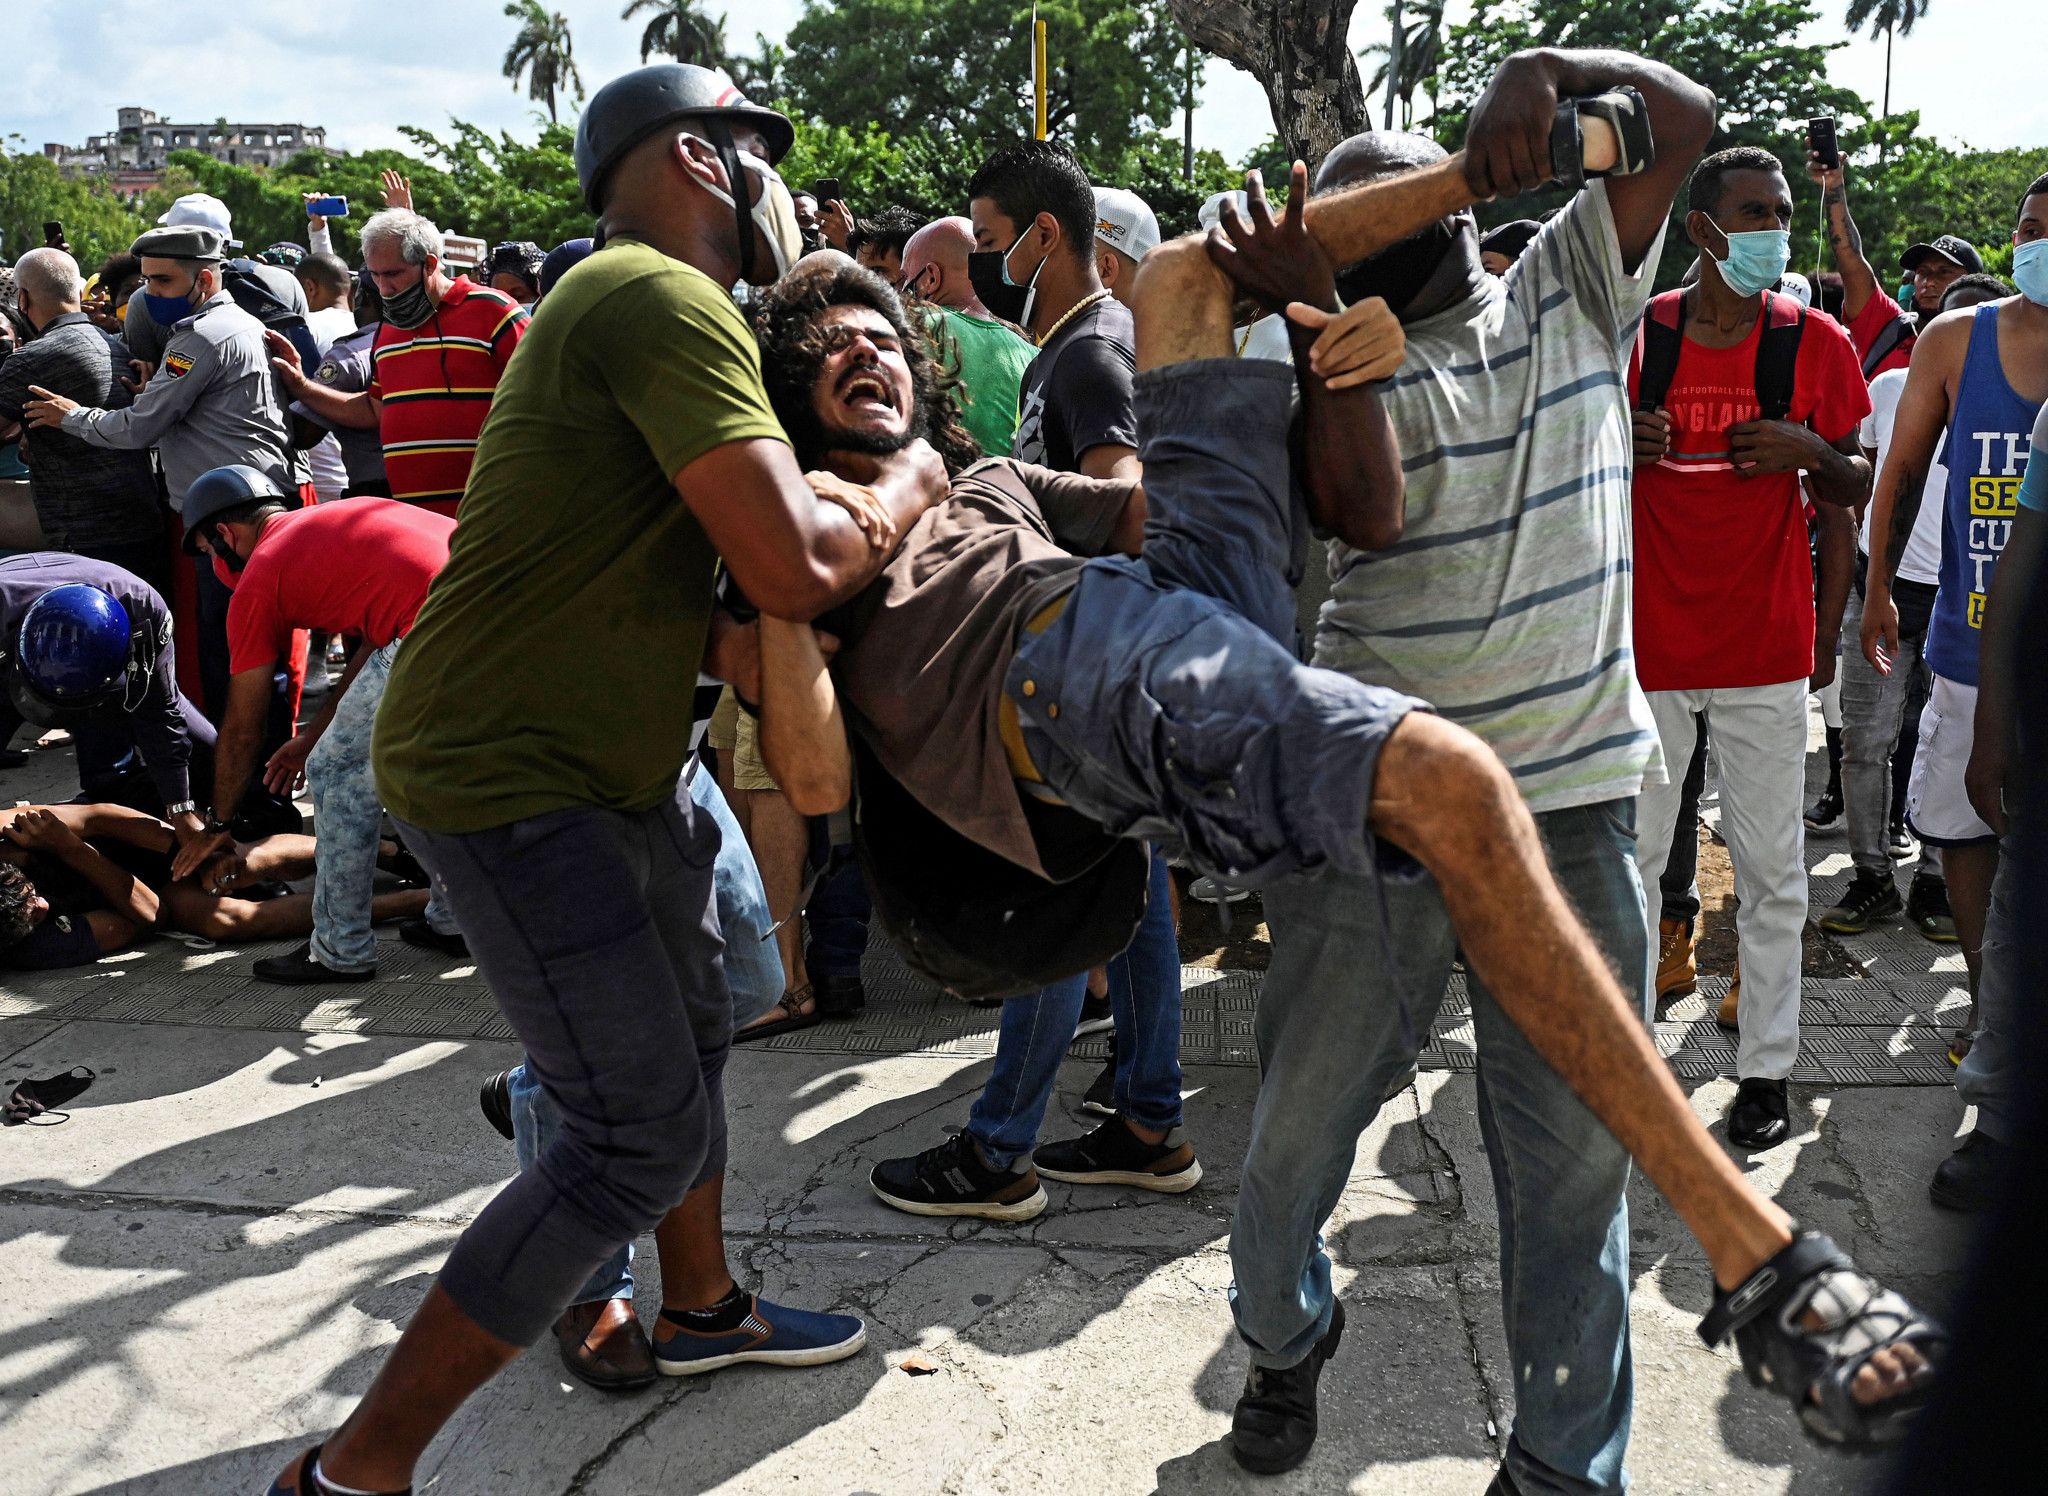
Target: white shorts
pixel 1937 805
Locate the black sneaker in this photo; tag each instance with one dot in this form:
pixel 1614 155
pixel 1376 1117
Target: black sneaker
pixel 1274 1424
pixel 1761 1116
pixel 1100 1101
pixel 952 1180
pixel 494 1100
pixel 1868 897
pixel 1898 840
pixel 1113 1154
pixel 1095 1016
pixel 1826 814
pixel 423 936
pixel 1969 1178
pixel 1927 909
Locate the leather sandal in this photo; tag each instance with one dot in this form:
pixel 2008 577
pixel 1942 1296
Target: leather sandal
pixel 791 1017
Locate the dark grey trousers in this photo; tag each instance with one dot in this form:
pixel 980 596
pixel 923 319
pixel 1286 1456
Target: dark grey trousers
pixel 598 933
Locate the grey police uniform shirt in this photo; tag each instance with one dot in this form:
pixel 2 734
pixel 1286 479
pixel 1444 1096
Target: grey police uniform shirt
pixel 211 402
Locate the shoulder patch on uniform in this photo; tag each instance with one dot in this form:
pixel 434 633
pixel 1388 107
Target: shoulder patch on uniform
pixel 327 373
pixel 177 363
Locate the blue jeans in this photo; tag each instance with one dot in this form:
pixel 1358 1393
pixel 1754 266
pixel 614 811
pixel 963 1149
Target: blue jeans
pixel 837 917
pixel 1340 1020
pixel 350 818
pixel 1990 1073
pixel 753 973
pixel 1144 992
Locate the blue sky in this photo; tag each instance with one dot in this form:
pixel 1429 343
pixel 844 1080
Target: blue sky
pixel 363 67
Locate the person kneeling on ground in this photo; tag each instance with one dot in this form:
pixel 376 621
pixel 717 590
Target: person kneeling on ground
pixel 1155 697
pixel 78 882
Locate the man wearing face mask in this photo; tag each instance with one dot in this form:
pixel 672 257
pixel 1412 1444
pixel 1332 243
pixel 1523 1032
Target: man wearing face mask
pixel 986 356
pixel 1978 383
pixel 532 758
pixel 1034 265
pixel 438 357
pixel 1762 395
pixel 1503 599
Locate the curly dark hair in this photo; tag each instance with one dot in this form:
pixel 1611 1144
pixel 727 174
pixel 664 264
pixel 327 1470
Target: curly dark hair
pixel 16 893
pixel 793 351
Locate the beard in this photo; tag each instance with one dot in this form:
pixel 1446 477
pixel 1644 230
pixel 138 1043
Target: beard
pixel 813 438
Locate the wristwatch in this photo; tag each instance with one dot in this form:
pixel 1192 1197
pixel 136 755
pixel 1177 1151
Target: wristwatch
pixel 182 808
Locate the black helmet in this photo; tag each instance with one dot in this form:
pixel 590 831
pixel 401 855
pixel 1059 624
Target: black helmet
pixel 634 105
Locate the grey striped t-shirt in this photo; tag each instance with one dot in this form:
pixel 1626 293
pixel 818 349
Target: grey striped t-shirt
pixel 1506 601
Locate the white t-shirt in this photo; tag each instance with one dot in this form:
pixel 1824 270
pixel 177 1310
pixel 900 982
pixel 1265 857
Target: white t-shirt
pixel 1265 338
pixel 1922 561
pixel 330 477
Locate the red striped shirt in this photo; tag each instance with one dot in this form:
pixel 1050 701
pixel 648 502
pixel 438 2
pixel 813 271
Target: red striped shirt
pixel 434 384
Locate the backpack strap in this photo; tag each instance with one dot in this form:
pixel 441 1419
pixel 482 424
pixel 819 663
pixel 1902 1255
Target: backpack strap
pixel 1777 355
pixel 1892 336
pixel 1663 335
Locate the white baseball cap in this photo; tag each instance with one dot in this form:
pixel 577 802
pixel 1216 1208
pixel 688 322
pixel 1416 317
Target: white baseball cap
pixel 1122 221
pixel 201 210
pixel 1211 213
pixel 1796 286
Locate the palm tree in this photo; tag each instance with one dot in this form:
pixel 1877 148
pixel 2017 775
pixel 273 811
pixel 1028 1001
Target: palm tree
pixel 1888 16
pixel 680 30
pixel 1410 60
pixel 542 52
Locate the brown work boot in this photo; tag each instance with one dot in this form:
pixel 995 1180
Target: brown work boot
pixel 1730 1015
pixel 1677 974
pixel 604 1345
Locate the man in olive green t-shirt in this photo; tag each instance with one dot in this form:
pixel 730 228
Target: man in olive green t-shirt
pixel 533 731
pixel 987 356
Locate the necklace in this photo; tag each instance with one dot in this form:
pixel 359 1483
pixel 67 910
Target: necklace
pixel 1072 312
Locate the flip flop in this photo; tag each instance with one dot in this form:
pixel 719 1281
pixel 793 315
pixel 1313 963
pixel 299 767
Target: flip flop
pixel 793 1018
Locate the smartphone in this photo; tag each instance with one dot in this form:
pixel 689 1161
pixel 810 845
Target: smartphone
pixel 827 190
pixel 53 233
pixel 1820 138
pixel 327 207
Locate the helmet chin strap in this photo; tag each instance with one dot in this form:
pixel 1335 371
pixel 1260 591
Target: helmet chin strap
pixel 743 208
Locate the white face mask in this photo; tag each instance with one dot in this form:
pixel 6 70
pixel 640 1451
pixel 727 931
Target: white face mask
pixel 773 213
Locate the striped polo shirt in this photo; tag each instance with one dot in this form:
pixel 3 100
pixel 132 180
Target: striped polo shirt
pixel 1506 601
pixel 434 384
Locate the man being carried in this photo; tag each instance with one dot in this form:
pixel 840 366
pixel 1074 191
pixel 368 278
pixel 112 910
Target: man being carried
pixel 358 568
pixel 1154 696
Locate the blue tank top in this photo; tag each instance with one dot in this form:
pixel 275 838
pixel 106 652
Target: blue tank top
pixel 1987 456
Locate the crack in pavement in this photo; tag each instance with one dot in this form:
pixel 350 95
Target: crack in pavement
pixel 673 1394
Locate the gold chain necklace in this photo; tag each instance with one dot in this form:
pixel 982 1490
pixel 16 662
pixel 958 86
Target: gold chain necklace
pixel 1072 312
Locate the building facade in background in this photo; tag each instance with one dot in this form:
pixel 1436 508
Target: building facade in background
pixel 133 155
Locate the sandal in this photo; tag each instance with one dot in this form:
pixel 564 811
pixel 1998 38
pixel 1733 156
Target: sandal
pixel 793 1017
pixel 1815 1366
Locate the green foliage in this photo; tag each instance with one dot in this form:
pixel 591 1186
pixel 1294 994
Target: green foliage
pixel 679 29
pixel 32 191
pixel 1905 188
pixel 959 71
pixel 543 52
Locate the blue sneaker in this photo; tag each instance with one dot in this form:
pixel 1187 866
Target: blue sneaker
pixel 771 1334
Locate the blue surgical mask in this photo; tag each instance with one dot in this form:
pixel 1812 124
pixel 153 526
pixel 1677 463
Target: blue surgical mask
pixel 2030 270
pixel 169 311
pixel 1755 261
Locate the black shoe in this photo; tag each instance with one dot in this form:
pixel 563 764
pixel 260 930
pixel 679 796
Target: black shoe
pixel 1274 1425
pixel 1503 1484
pixel 1898 840
pixel 495 1101
pixel 1761 1116
pixel 1113 1154
pixel 1095 1017
pixel 839 995
pixel 299 969
pixel 1826 814
pixel 1928 911
pixel 419 933
pixel 1970 1177
pixel 1869 897
pixel 952 1180
pixel 1100 1100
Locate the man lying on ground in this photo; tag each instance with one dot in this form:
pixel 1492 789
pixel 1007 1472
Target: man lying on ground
pixel 1154 697
pixel 78 882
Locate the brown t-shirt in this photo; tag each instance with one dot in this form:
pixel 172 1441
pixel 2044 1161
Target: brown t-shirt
pixel 926 645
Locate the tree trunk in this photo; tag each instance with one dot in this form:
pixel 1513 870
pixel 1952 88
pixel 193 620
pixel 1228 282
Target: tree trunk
pixel 1187 142
pixel 1394 64
pixel 1300 52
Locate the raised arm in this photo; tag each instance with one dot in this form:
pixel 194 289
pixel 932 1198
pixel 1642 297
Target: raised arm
pixel 358 411
pixel 1859 277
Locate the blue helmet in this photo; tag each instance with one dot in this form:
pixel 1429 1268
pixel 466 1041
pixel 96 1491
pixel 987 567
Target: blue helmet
pixel 72 654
